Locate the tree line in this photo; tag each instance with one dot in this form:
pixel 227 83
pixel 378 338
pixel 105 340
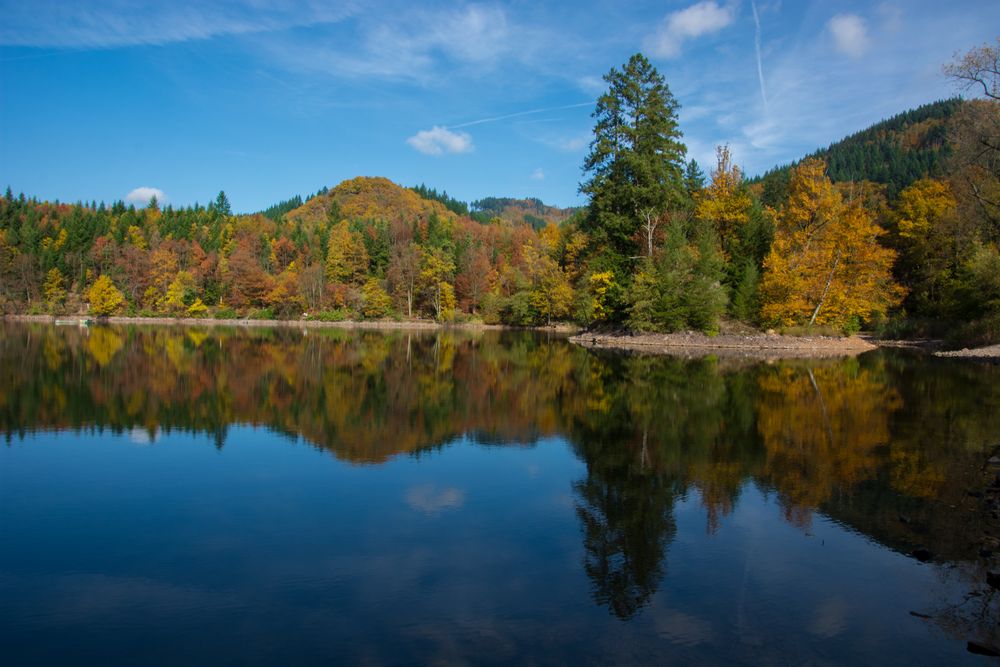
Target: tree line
pixel 658 247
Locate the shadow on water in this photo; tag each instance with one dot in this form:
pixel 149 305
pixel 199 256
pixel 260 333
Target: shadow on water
pixel 889 445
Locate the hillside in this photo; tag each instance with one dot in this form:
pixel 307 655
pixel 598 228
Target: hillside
pixel 377 198
pixel 369 198
pixel 894 152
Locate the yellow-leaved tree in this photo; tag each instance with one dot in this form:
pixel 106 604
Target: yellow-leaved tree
pixel 105 299
pixel 826 265
pixel 346 257
pixel 551 292
pixel 436 272
pixel 931 237
pixel 376 302
pixel 54 289
pixel 726 202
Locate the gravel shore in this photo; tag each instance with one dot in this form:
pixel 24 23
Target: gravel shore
pixel 751 345
pixel 990 352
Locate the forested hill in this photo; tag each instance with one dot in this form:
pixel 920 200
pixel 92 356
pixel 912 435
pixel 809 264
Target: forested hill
pixel 369 198
pixel 895 152
pixel 379 198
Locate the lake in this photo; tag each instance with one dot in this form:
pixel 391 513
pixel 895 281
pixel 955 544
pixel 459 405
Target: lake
pixel 227 496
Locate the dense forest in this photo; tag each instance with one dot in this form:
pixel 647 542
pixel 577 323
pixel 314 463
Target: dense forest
pixel 895 227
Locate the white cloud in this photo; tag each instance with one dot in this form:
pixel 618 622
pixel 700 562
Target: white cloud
pixel 440 140
pixel 850 34
pixel 538 175
pixel 141 196
pixel 697 20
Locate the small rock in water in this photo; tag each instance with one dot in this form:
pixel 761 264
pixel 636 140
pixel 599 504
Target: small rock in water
pixel 921 554
pixel 980 648
pixel 993 579
pixel 904 519
pixel 985 553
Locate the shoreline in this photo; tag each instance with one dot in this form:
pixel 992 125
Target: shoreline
pixel 757 345
pixel 424 325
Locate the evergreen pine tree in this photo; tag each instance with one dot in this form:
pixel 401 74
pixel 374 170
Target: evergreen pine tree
pixel 636 159
pixel 221 205
pixel 694 178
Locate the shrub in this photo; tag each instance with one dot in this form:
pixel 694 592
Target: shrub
pixel 336 315
pixel 261 314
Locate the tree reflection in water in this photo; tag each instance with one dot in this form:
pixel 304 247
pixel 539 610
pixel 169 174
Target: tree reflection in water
pixel 865 441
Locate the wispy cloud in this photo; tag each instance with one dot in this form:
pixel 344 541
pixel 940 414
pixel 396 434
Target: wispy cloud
pixel 562 141
pixel 700 19
pixel 850 34
pixel 105 24
pixel 141 196
pixel 891 15
pixel 440 140
pixel 421 45
pixel 538 174
pixel 592 84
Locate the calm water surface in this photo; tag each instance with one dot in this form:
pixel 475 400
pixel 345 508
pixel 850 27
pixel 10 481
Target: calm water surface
pixel 186 496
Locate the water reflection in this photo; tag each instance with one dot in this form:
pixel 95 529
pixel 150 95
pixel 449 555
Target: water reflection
pixel 886 444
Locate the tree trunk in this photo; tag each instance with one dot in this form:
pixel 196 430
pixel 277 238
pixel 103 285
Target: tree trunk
pixel 826 289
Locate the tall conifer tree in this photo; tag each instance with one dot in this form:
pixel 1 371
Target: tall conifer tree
pixel 636 160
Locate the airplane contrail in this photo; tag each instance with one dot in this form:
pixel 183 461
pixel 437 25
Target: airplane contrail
pixel 519 113
pixel 756 43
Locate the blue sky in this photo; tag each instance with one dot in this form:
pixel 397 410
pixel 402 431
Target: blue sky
pixel 271 99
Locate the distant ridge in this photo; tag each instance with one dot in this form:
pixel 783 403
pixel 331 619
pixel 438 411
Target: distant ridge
pixel 530 211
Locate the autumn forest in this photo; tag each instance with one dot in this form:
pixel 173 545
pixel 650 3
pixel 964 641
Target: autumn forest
pixel 895 229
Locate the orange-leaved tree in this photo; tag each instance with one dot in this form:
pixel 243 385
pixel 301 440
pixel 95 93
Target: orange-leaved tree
pixel 826 265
